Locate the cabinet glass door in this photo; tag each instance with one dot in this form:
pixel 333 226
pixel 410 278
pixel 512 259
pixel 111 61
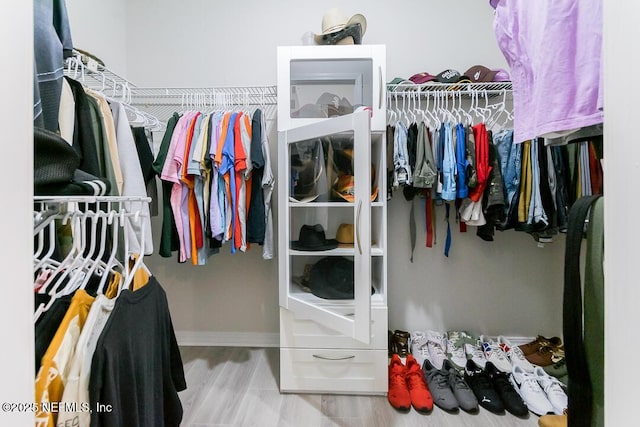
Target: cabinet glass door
pixel 327 185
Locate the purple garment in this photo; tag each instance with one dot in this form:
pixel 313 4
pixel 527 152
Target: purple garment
pixel 554 49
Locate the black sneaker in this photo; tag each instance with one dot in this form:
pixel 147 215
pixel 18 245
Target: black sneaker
pixel 509 396
pixel 480 383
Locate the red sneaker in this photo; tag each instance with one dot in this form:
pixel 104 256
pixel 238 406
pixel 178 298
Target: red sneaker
pixel 421 398
pixel 398 392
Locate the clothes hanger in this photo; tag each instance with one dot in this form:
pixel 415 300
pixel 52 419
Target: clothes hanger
pixel 112 263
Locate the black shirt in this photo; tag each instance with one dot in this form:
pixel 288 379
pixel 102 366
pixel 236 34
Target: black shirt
pixel 136 366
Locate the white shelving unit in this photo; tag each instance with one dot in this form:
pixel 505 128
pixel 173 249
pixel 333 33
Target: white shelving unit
pixel 333 345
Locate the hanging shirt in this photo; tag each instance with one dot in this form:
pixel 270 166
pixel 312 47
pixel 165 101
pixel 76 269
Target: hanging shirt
pixel 228 171
pixel 268 182
pixel 448 165
pixel 255 216
pixel 56 362
pixel 171 173
pixel 77 385
pixel 482 161
pixel 133 184
pixel 216 209
pixel 425 173
pixel 243 168
pixel 461 162
pixel 189 204
pixel 136 367
pixel 554 52
pixel 195 170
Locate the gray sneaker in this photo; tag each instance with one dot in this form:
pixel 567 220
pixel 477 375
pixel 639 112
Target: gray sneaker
pixel 438 382
pixel 463 394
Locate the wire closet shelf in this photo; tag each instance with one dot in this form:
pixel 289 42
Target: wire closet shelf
pixel 160 103
pixel 464 89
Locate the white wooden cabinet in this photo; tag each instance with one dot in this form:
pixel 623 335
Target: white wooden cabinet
pixel 332 172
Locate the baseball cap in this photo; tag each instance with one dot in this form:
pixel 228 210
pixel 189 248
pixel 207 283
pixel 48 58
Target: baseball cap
pixel 482 74
pixel 420 78
pixel 451 76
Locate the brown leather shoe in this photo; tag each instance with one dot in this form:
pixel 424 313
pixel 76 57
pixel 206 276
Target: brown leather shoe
pixel 546 356
pixel 540 341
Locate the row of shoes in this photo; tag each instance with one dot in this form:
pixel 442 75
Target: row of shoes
pixel 498 373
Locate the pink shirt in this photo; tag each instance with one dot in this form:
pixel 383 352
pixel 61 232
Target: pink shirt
pixel 553 49
pixel 171 172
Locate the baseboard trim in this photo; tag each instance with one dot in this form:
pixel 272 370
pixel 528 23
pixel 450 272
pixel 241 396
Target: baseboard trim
pixel 227 339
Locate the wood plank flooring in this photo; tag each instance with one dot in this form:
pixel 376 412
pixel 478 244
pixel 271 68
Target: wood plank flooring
pixel 238 387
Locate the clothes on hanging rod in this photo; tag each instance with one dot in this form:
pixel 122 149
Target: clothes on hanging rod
pixel 490 181
pixel 93 300
pixel 217 184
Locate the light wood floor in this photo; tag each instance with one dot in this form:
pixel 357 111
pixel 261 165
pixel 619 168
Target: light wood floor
pixel 238 386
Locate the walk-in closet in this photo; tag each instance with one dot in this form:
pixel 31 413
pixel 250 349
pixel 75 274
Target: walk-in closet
pixel 262 214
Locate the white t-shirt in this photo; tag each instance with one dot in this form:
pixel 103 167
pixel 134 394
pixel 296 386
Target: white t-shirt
pixel 76 390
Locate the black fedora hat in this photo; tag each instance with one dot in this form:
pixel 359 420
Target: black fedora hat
pixel 312 238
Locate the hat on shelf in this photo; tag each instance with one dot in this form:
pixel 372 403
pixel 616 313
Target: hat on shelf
pixel 344 185
pixel 344 235
pixel 421 78
pixel 313 238
pixel 452 76
pixel 482 74
pixel 334 22
pixel 332 278
pixel 55 168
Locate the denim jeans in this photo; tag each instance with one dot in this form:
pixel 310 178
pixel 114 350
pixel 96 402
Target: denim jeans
pixel 510 163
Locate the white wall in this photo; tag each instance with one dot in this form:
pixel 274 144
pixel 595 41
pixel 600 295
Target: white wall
pixel 100 27
pixel 16 291
pixel 622 164
pixel 509 286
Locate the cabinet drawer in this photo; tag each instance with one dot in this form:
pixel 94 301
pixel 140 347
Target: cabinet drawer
pixel 305 333
pixel 333 371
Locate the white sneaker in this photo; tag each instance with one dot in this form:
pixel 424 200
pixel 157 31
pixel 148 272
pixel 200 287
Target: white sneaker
pixel 527 386
pixel 455 348
pixel 436 345
pixel 515 355
pixel 419 348
pixel 474 352
pixel 553 389
pixel 495 354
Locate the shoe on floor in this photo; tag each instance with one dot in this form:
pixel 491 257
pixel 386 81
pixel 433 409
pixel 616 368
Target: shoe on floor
pixel 514 354
pixel 511 400
pixel 436 345
pixel 473 351
pixel 540 341
pixel 546 356
pixel 461 391
pixel 419 348
pixel 495 354
pixel 480 383
pixel 401 342
pixel 558 369
pixel 554 390
pixel 455 348
pixel 527 386
pixel 398 394
pixel 553 421
pixel 438 382
pixel 421 398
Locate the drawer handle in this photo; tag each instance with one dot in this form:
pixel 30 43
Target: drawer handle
pixel 317 356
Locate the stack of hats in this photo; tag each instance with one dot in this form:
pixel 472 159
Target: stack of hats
pixel 475 74
pixel 338 30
